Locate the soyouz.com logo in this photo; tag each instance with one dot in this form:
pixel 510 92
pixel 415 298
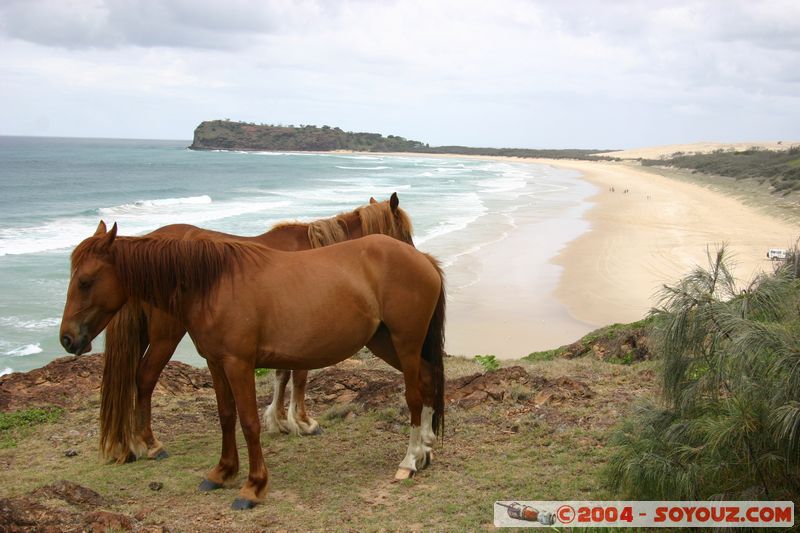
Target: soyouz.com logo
pixel 510 513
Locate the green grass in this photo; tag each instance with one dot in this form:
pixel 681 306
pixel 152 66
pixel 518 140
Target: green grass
pixel 16 425
pixel 546 355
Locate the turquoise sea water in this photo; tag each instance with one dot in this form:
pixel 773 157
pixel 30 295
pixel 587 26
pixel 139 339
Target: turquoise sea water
pixel 54 191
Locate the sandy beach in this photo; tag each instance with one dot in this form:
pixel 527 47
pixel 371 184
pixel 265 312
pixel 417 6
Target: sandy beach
pixel 637 241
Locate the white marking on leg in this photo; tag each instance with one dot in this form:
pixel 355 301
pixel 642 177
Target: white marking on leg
pixel 298 426
pixel 270 419
pixel 291 421
pixel 272 423
pixel 415 456
pixel 427 434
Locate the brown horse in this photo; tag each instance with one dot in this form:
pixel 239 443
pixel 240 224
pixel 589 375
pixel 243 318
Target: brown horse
pixel 245 305
pixel 130 375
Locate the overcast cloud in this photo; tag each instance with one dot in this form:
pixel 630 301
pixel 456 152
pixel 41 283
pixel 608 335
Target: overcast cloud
pixel 506 73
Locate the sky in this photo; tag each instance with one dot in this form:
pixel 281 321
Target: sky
pixel 501 73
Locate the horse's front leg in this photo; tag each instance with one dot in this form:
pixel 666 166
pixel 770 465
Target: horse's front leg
pixel 241 377
pixel 228 464
pixel 299 421
pixel 162 346
pixel 275 418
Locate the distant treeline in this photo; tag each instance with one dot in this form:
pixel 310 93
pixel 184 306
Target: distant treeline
pixel 230 135
pixel 781 169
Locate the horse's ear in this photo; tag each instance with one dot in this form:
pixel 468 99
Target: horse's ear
pixel 372 200
pixel 101 229
pixel 108 240
pixel 394 202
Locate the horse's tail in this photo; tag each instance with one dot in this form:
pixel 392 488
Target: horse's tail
pixel 126 341
pixel 433 353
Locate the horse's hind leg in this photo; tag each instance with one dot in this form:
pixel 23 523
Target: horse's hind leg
pixel 381 345
pixel 228 464
pixel 417 455
pixel 299 421
pixel 164 333
pixel 275 416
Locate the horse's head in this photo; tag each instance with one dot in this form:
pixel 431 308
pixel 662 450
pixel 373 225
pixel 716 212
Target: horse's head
pixel 94 294
pixel 400 227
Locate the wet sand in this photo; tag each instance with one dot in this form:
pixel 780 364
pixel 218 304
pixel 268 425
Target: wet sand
pixel 537 293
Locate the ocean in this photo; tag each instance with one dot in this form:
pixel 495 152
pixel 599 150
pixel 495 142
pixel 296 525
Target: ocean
pixel 55 190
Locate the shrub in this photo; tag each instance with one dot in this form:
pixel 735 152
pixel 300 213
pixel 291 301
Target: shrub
pixel 729 423
pixel 488 362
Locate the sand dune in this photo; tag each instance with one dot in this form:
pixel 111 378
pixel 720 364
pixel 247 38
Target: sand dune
pixel 657 152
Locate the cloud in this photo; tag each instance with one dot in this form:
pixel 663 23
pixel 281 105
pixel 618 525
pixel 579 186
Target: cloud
pixel 512 72
pixel 148 23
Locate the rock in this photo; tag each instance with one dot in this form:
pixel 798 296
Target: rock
pixel 71 493
pixel 103 521
pixel 576 349
pixel 71 452
pixel 346 396
pixel 72 381
pixel 156 485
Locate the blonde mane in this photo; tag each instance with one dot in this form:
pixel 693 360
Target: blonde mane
pixel 374 217
pixel 379 218
pixel 328 231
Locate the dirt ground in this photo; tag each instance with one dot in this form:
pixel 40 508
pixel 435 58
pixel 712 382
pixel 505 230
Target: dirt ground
pixel 529 430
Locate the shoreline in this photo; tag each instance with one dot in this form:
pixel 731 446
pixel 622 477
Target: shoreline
pixel 610 273
pixel 652 235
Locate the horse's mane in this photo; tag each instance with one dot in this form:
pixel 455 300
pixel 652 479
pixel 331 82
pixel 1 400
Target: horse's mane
pixel 328 231
pixel 379 218
pixel 375 218
pixel 163 271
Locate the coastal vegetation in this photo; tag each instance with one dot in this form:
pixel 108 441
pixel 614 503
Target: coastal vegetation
pixel 231 135
pixel 778 168
pixel 728 423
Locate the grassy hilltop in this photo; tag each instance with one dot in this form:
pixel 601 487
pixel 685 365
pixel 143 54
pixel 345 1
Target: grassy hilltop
pixel 230 135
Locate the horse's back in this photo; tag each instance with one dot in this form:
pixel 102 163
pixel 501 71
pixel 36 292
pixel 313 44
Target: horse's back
pixel 321 305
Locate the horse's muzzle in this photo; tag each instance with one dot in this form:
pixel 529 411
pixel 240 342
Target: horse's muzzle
pixel 77 346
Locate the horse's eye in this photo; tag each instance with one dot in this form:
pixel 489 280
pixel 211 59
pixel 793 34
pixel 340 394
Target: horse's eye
pixel 84 284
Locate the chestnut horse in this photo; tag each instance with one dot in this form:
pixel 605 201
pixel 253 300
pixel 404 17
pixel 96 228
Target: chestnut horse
pixel 245 305
pixel 130 375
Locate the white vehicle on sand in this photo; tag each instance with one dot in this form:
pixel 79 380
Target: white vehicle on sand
pixel 777 254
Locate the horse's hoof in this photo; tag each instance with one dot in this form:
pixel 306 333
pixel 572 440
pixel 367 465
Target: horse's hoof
pixel 242 504
pixel 207 485
pixel 162 454
pixel 403 473
pixel 317 431
pixel 130 458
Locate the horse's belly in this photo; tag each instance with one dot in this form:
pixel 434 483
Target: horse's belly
pixel 308 348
